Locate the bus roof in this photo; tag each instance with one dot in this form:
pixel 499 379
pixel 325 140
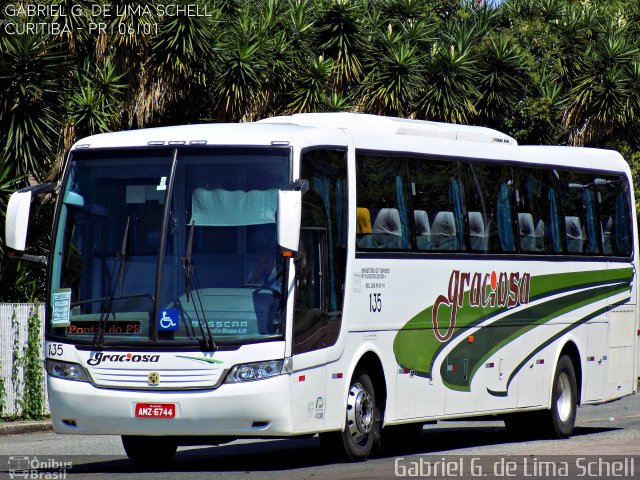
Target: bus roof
pixel 269 130
pixel 368 132
pixel 250 134
pixel 393 125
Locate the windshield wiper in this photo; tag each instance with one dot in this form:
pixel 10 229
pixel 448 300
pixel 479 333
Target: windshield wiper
pixel 98 338
pixel 189 268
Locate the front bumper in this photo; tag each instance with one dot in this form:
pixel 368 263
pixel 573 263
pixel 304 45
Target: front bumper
pixel 250 409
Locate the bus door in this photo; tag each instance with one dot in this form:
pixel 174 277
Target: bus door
pixel 310 320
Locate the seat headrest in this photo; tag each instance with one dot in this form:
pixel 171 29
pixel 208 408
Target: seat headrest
pixel 444 223
pixel 363 221
pixel 388 221
pixel 573 227
pixel 476 223
pixel 422 222
pixel 525 222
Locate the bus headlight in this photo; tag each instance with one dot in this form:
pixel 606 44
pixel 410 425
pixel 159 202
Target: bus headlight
pixel 248 372
pixel 66 370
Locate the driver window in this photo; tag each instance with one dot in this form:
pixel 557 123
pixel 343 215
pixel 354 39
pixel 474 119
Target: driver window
pixel 310 314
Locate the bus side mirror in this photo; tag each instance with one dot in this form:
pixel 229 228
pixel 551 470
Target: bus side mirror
pixel 288 216
pixel 17 218
pixel 17 221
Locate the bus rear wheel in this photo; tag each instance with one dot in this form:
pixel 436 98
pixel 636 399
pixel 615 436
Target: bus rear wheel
pixel 561 418
pixel 362 423
pixel 149 451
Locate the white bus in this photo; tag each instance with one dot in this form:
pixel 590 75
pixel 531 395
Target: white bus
pixel 342 274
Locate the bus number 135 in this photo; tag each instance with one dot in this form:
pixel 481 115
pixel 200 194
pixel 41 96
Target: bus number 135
pixel 375 302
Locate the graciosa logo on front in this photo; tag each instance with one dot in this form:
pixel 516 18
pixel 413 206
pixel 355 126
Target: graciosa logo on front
pixel 485 290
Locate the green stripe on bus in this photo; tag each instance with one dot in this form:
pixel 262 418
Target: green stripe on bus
pixel 552 339
pixel 416 346
pixel 494 337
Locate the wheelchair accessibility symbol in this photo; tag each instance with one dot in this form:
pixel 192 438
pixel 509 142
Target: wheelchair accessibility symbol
pixel 168 320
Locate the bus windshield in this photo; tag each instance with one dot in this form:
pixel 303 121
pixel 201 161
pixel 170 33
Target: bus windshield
pixel 208 214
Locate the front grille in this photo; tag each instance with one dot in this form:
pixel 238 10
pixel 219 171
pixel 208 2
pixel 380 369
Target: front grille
pixel 128 379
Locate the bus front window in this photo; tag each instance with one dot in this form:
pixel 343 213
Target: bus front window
pixel 105 254
pixel 220 278
pixel 222 274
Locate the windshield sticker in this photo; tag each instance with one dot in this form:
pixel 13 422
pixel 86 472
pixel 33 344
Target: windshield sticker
pixel 168 320
pixel 61 305
pixel 226 327
pixel 163 184
pixel 112 328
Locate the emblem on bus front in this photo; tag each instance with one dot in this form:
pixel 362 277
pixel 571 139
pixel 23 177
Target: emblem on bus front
pixel 153 378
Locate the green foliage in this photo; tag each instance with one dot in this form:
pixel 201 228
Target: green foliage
pixel 450 93
pixel 27 375
pixel 394 79
pixel 30 82
pixel 16 381
pixel 341 37
pixel 93 107
pixel 504 76
pixel 312 88
pixel 33 394
pixel 3 394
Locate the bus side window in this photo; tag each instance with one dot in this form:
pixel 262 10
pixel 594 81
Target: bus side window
pixel 310 312
pixel 488 193
pixel 536 204
pixel 437 202
pixel 621 228
pixel 381 191
pixel 579 207
pixel 614 215
pixel 323 241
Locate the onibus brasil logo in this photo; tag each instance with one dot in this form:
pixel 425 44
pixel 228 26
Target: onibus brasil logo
pixel 485 290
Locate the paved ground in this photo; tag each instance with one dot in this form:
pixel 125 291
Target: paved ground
pixel 605 430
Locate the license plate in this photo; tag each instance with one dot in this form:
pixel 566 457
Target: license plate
pixel 155 410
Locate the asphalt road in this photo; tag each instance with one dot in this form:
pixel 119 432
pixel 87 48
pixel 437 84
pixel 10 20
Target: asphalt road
pixel 446 450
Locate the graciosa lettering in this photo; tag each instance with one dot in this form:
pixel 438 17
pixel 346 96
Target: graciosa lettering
pixel 485 290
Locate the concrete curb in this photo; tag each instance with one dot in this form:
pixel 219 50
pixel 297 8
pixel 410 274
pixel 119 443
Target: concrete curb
pixel 13 428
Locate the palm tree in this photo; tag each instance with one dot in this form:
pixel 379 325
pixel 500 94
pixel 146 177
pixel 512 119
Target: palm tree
pixel 312 87
pixel 179 62
pixel 503 78
pixel 93 106
pixel 602 97
pixel 394 77
pixel 241 70
pixel 32 75
pixel 341 37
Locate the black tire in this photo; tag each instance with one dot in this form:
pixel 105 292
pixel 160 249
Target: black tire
pixel 362 423
pixel 561 418
pixel 149 451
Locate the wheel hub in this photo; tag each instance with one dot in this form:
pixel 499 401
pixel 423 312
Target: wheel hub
pixel 359 412
pixel 564 402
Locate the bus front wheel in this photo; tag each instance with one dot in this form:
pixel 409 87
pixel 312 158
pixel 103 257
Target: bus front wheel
pixel 561 418
pixel 149 451
pixel 362 423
